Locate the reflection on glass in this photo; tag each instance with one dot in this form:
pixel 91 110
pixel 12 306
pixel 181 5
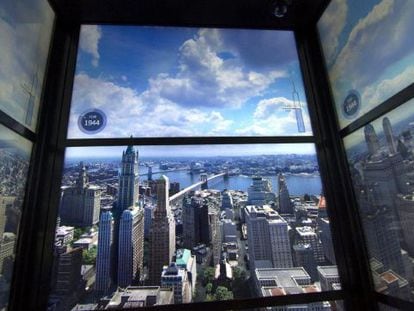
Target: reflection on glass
pixel 14 162
pixel 382 166
pixel 369 52
pixel 188 82
pixel 178 224
pixel 383 307
pixel 25 31
pixel 336 305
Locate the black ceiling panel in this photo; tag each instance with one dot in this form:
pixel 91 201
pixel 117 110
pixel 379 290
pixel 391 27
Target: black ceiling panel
pixel 213 13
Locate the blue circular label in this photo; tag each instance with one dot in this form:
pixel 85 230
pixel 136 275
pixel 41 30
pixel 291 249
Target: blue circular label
pixel 92 121
pixel 351 105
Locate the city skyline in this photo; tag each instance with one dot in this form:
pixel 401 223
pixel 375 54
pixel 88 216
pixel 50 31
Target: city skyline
pixel 172 151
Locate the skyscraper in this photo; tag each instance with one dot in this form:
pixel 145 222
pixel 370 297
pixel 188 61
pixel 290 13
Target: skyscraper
pixel 285 206
pixel 130 247
pixel 371 139
pixel 128 180
pixel 103 258
pixel 195 221
pixel 162 235
pixel 177 278
pixel 389 136
pixel 269 243
pixel 80 203
pixel 259 192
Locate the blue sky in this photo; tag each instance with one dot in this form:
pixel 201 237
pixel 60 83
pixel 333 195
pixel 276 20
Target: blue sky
pixel 168 81
pixel 369 47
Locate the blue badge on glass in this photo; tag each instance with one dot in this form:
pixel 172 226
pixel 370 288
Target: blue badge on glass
pixel 351 105
pixel 92 121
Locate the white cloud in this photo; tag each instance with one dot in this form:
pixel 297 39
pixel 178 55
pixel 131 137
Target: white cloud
pixel 358 47
pixel 373 53
pixel 271 119
pixel 268 107
pixel 89 41
pixel 205 79
pixel 144 115
pixel 331 25
pixel 383 89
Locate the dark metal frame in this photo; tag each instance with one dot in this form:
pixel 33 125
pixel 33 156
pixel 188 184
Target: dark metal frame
pixel 34 258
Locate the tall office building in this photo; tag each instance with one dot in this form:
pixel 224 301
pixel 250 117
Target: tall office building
pixel 324 232
pixel 81 203
pixel 104 257
pixel 382 234
pixel 389 136
pixel 307 235
pixel 195 221
pixel 215 232
pixel 260 191
pixel 328 277
pixel 405 208
pixel 227 201
pixel 162 234
pixel 285 206
pixel 371 139
pixel 268 237
pixel 130 247
pixel 128 180
pixel 176 278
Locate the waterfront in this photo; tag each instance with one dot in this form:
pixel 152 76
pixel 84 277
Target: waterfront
pixel 298 184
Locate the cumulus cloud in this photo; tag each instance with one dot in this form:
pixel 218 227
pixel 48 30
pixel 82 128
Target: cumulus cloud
pixel 269 118
pixel 330 27
pixel 141 114
pixel 373 52
pixel 89 42
pixel 206 79
pixel 196 98
pixel 383 89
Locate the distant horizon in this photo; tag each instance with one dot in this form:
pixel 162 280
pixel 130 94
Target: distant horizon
pixel 193 151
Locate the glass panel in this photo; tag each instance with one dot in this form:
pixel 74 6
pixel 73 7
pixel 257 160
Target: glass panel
pixel 198 219
pixel 14 163
pixel 336 305
pixel 25 32
pixel 369 52
pixel 165 81
pixel 384 307
pixel 380 156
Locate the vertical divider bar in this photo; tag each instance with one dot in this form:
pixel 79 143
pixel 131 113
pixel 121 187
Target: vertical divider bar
pixel 347 231
pixel 33 264
pixel 56 157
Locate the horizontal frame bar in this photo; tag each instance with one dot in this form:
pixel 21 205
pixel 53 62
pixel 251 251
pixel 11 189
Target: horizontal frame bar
pixel 394 302
pixel 212 13
pixel 16 126
pixel 258 302
pixel 225 140
pixel 391 103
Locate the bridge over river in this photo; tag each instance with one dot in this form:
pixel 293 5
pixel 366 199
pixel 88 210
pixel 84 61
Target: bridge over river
pixel 202 183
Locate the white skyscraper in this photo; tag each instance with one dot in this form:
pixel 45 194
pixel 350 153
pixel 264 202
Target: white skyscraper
pixel 130 246
pixel 269 244
pixel 103 258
